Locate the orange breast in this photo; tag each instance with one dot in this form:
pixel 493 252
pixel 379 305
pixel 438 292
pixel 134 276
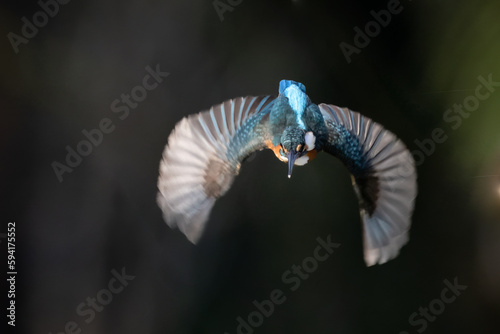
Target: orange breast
pixel 276 149
pixel 312 154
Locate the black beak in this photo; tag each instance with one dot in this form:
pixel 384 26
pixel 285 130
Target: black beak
pixel 292 156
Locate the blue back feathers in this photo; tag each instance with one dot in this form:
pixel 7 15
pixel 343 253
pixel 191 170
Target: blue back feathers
pixel 295 92
pixel 284 84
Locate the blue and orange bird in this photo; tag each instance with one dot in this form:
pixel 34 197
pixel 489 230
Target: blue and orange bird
pixel 205 151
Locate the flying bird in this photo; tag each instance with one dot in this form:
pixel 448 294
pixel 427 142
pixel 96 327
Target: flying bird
pixel 205 152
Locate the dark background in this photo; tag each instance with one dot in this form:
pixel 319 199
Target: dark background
pixel 103 216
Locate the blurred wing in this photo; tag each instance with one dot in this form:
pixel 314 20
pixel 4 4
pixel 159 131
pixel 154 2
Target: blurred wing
pixel 384 178
pixel 202 156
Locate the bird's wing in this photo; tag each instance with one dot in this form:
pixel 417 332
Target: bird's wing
pixel 202 156
pixel 384 178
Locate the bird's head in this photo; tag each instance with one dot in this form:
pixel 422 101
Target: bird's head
pixel 294 145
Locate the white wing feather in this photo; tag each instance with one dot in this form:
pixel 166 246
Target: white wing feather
pixel 195 169
pixel 391 175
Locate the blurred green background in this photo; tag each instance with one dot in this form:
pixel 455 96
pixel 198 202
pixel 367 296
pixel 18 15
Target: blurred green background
pixel 103 216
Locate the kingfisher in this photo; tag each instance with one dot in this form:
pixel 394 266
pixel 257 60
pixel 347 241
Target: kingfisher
pixel 205 151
